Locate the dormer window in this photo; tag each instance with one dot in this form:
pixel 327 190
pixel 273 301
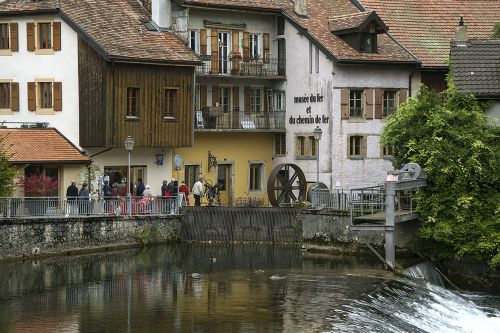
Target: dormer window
pixel 360 30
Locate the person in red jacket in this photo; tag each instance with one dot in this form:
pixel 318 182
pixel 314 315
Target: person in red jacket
pixel 184 189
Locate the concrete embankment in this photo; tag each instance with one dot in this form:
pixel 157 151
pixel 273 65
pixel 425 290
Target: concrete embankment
pixel 324 231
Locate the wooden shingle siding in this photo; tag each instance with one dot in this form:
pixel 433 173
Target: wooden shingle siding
pixel 14 39
pixel 92 93
pixel 150 131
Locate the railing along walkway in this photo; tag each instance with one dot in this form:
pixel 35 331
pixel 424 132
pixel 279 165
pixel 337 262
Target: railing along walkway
pixel 22 207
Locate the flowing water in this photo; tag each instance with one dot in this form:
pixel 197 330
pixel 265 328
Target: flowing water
pixel 232 288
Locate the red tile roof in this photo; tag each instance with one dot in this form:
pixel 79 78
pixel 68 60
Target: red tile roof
pixel 426 27
pixel 316 23
pixel 39 146
pixel 116 26
pixel 346 22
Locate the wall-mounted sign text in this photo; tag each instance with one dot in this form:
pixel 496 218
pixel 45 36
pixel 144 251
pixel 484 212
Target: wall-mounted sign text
pixel 309 119
pixel 309 99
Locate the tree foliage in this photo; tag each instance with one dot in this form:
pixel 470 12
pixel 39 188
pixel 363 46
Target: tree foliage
pixel 7 174
pixel 38 185
pixel 496 30
pixel 448 135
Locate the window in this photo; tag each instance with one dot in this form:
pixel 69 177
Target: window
pixel 368 42
pixel 224 98
pixel 279 100
pixel 357 146
pixel 256 101
pixel 44 35
pixel 312 144
pixel 169 102
pixel 256 174
pixel 45 95
pixel 4 36
pixel 254 46
pixel 194 41
pixel 310 57
pixel 355 103
pixel 279 144
pixel 389 103
pixel 191 173
pixel 388 151
pixel 316 58
pixel 281 25
pixel 133 101
pixel 4 95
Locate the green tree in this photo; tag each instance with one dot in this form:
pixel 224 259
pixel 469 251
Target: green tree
pixel 448 135
pixel 7 174
pixel 496 30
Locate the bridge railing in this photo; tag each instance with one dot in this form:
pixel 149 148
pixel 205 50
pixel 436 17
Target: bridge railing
pixel 22 207
pixel 335 199
pixel 367 200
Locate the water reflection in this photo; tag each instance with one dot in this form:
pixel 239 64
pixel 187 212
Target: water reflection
pixel 199 288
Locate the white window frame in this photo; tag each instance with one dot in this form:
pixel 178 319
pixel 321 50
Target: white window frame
pixel 360 99
pixel 262 168
pixel 196 34
pixel 38 96
pixel 253 99
pixel 279 100
pixel 255 38
pixel 385 106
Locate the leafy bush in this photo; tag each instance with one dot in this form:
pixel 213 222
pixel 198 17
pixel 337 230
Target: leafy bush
pixel 38 185
pixel 7 174
pixel 453 143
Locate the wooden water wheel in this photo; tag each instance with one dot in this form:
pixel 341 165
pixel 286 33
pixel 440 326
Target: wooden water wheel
pixel 286 184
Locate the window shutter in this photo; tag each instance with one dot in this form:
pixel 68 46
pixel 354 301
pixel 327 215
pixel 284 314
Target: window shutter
pixel 236 96
pixel 14 40
pixel 215 95
pixel 267 97
pixel 14 96
pixel 348 146
pixel 265 38
pixel 235 39
pixel 403 95
pixel 31 96
pixel 57 96
pixel 246 45
pixel 30 34
pixel 248 96
pixel 363 148
pixel 203 96
pixel 215 51
pixel 344 103
pixel 203 41
pixel 56 33
pixel 379 99
pixel 368 103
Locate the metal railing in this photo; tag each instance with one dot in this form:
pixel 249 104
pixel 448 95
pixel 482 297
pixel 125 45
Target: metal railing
pixel 94 206
pixel 208 119
pixel 368 200
pixel 258 67
pixel 330 199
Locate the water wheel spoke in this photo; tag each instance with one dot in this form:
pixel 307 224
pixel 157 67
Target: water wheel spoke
pixel 280 197
pixel 292 180
pixel 292 195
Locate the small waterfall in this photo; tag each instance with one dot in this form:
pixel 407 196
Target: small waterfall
pixel 427 272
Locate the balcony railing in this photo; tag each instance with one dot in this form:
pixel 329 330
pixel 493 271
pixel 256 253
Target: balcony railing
pixel 216 118
pixel 216 65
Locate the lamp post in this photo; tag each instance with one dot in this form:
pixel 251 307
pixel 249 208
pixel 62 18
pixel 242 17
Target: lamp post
pixel 317 137
pixel 129 146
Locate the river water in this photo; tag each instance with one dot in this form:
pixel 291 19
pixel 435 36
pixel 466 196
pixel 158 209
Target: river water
pixel 230 288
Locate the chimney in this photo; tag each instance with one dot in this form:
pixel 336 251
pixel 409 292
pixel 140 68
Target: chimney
pixel 300 7
pixel 461 34
pixel 161 13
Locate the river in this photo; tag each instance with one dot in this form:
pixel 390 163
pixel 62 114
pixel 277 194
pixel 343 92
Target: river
pixel 230 288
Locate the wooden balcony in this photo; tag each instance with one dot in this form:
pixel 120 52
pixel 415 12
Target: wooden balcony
pixel 216 119
pixel 267 68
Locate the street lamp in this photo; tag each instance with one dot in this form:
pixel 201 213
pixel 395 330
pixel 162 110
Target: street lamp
pixel 317 137
pixel 129 146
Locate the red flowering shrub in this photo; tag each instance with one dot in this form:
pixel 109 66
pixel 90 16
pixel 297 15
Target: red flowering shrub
pixel 38 185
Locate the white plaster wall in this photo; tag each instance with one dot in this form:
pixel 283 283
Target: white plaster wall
pixel 372 170
pixel 493 113
pixel 62 66
pixel 155 174
pixel 301 83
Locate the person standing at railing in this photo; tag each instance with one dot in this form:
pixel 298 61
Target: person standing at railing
pixel 71 196
pixel 198 191
pixel 108 195
pixel 140 188
pixel 83 198
pixel 183 188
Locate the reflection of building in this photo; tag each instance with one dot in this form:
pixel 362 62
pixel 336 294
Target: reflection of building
pixel 43 151
pixel 98 71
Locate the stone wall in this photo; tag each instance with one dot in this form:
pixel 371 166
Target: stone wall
pixel 42 236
